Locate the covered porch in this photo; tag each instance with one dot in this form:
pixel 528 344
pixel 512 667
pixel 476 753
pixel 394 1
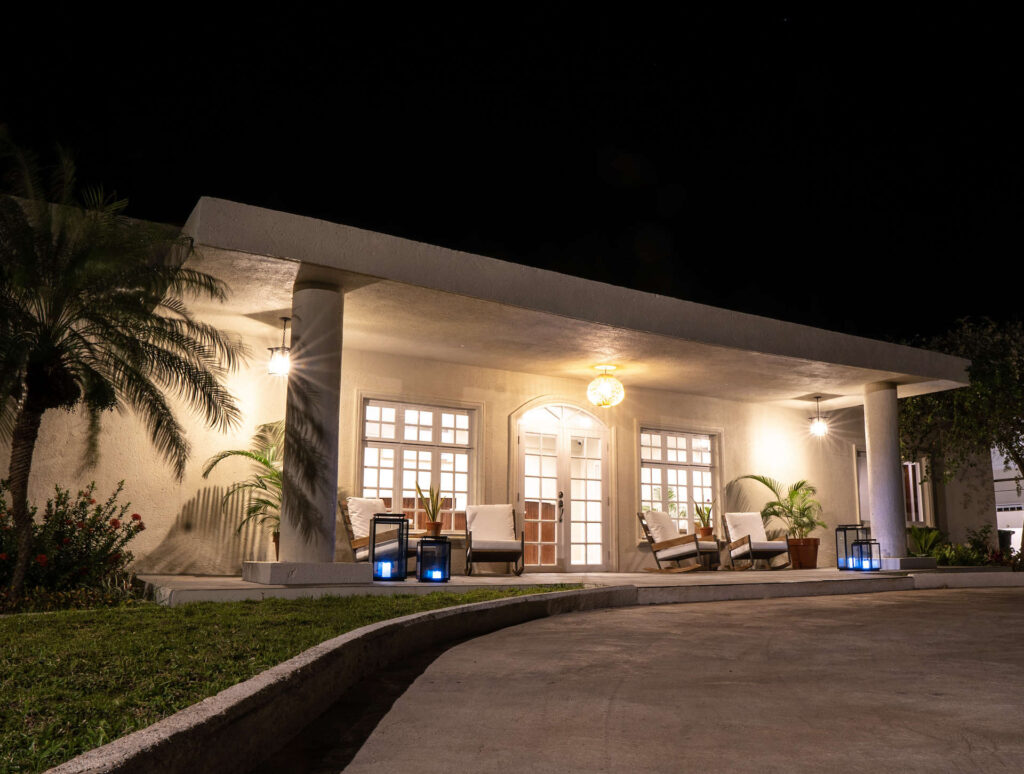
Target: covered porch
pixel 409 345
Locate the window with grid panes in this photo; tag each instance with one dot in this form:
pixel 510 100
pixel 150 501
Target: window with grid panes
pixel 405 445
pixel 675 474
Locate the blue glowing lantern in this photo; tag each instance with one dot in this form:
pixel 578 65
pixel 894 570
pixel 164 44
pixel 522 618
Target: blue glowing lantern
pixel 846 534
pixel 389 541
pixel 866 555
pixel 433 560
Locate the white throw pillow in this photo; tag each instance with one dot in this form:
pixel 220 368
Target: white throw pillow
pixel 748 523
pixel 662 526
pixel 491 522
pixel 360 511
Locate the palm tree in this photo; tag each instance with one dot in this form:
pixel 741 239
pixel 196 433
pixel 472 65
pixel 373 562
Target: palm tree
pixel 93 316
pixel 266 480
pixel 263 486
pixel 794 505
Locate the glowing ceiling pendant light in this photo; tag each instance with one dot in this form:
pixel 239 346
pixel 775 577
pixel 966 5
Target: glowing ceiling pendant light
pixel 819 426
pixel 280 357
pixel 606 391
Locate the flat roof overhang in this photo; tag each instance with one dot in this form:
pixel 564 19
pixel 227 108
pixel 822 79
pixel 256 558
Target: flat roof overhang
pixel 413 299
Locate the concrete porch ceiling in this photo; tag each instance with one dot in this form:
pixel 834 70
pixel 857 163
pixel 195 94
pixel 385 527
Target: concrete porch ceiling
pixel 429 302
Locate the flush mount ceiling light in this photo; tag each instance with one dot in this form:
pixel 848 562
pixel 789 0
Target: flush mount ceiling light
pixel 819 424
pixel 280 359
pixel 605 391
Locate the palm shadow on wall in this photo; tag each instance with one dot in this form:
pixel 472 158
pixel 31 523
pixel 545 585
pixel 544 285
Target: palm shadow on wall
pixel 205 540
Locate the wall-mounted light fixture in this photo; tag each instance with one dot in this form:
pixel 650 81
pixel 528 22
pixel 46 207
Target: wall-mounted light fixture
pixel 606 391
pixel 819 425
pixel 280 359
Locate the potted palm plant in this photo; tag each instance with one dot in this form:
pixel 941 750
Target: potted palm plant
pixel 263 486
pixel 432 509
pixel 703 513
pixel 798 509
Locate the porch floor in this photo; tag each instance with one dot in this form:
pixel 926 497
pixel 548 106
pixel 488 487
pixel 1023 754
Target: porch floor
pixel 655 587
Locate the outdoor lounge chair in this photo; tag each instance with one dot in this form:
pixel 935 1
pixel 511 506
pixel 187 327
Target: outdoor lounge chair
pixel 491 537
pixel 749 541
pixel 668 545
pixel 360 510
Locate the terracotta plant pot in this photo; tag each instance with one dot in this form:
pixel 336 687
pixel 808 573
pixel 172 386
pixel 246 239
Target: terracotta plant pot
pixel 705 531
pixel 277 546
pixel 434 528
pixel 803 553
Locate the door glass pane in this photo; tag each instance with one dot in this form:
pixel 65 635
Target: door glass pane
pixel 540 498
pixel 586 543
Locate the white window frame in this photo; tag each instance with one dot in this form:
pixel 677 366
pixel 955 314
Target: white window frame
pixel 424 442
pixel 706 467
pixel 916 495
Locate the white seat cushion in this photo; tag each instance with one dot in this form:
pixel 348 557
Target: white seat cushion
pixel 360 511
pixel 706 545
pixel 762 546
pixel 490 522
pixel 743 524
pixel 686 549
pixel 495 545
pixel 662 526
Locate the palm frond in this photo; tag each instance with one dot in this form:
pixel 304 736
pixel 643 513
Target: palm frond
pixel 774 485
pixel 101 296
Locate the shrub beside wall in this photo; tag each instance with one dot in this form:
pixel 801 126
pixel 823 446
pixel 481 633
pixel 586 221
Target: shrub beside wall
pixel 79 554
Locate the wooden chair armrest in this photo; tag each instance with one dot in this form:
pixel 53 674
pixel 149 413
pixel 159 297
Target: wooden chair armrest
pixel 743 541
pixel 679 541
pixel 362 542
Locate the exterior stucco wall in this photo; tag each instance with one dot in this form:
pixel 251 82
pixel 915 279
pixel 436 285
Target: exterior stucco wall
pixel 753 438
pixel 189 531
pixel 188 528
pixel 966 502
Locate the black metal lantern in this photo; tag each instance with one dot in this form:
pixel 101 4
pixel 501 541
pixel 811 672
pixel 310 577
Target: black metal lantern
pixel 866 555
pixel 389 541
pixel 846 534
pixel 434 560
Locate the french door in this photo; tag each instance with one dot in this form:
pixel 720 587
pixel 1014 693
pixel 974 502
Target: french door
pixel 562 489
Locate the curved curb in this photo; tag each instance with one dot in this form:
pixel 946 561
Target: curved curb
pixel 239 727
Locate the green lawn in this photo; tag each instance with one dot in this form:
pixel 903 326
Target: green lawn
pixel 76 679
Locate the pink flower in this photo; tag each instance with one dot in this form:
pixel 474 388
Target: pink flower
pixel 41 559
pixel 65 541
pixel 80 524
pixel 3 557
pixel 141 526
pixel 136 517
pixel 91 501
pixel 115 523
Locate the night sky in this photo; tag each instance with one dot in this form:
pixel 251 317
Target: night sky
pixel 858 172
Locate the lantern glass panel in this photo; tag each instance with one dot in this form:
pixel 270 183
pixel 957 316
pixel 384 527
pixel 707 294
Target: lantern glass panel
pixel 867 555
pixel 389 541
pixel 433 560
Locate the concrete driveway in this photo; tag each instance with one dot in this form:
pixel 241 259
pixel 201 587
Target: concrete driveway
pixel 922 681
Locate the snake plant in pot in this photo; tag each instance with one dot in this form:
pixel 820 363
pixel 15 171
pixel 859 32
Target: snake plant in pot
pixel 431 508
pixel 796 507
pixel 703 513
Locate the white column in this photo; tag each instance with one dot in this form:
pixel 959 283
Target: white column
pixel 314 388
pixel 885 470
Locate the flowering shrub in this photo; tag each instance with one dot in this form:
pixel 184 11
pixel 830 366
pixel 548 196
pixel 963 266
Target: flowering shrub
pixel 79 543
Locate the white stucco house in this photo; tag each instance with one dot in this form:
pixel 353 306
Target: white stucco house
pixel 471 373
